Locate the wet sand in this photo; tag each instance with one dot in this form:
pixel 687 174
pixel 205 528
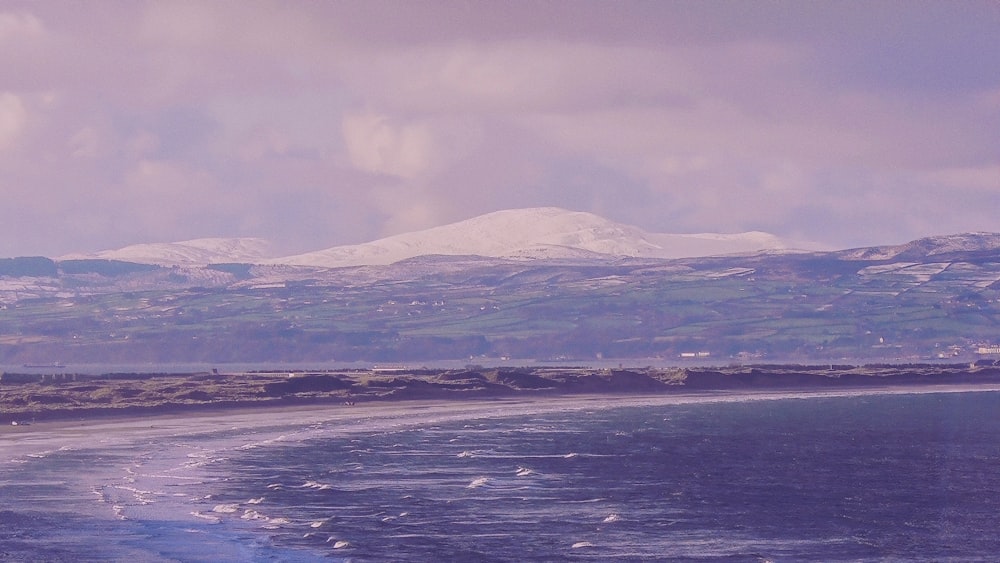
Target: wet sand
pixel 35 439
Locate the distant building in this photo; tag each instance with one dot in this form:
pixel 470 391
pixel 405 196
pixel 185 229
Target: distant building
pixel 988 350
pixel 695 354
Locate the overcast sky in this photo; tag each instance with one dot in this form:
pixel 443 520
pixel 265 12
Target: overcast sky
pixel 315 124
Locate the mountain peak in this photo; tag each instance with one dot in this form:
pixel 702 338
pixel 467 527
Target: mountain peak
pixel 549 232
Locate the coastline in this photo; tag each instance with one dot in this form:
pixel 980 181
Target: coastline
pixel 157 422
pixel 165 477
pixel 73 399
pixel 294 422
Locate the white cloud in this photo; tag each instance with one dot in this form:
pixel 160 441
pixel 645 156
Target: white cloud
pixel 267 113
pixel 378 144
pixel 160 178
pixel 404 148
pixel 13 117
pixel 19 26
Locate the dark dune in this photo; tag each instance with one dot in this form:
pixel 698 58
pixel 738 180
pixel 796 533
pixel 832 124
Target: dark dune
pixel 27 397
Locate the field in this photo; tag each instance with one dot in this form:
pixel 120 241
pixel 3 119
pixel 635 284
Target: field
pixel 764 306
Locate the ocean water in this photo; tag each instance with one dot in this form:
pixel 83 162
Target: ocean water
pixel 859 477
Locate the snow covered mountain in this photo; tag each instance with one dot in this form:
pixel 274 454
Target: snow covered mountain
pixel 926 247
pixel 546 232
pixel 191 252
pixel 518 234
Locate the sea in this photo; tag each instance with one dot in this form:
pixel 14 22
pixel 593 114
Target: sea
pixel 833 476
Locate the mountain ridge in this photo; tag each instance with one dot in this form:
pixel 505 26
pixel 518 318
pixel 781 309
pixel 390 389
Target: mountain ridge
pixel 201 251
pixel 543 233
pixel 937 297
pixel 519 234
pixel 926 246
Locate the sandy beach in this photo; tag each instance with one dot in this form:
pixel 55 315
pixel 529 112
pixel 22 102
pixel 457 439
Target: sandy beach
pixel 274 421
pixel 31 399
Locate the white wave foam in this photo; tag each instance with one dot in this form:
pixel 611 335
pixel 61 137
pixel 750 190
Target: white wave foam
pixel 257 500
pixel 279 521
pixel 119 511
pixel 226 508
pixel 209 517
pixel 582 544
pixel 478 482
pixel 317 485
pixel 253 515
pixel 338 544
pixel 466 453
pixel 612 518
pixel 571 455
pixel 524 472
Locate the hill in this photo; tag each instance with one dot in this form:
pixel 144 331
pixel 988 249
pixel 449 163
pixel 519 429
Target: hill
pixel 540 233
pixel 577 299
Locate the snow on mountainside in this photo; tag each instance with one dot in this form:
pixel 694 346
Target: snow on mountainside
pixel 929 246
pixel 546 232
pixel 191 252
pixel 521 234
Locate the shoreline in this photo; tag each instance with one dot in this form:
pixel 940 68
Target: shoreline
pixel 301 421
pixel 113 397
pixel 481 407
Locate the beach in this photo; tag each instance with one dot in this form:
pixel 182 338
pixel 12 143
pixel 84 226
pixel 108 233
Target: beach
pixel 32 398
pixel 295 482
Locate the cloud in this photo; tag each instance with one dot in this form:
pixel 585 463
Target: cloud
pixel 19 27
pixel 408 149
pixel 377 144
pixel 323 123
pixel 13 117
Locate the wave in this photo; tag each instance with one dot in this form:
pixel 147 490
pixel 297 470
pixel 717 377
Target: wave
pixel 208 517
pixel 279 521
pixel 478 482
pixel 253 515
pixel 316 485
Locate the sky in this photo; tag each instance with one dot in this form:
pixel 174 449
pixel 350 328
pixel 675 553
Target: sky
pixel 315 124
